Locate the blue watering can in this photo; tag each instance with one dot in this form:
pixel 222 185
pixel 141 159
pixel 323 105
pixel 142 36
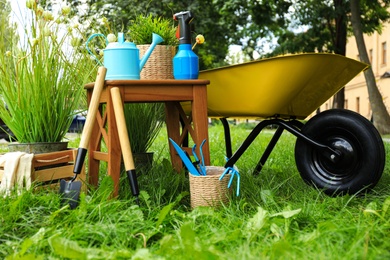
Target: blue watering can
pixel 122 58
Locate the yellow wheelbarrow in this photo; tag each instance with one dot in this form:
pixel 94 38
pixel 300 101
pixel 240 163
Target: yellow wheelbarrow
pixel 338 151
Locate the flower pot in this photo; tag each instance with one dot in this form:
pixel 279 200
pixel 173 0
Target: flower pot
pixel 143 161
pixel 37 148
pixel 209 190
pixel 159 64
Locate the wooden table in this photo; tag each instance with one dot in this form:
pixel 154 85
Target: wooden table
pixel 179 124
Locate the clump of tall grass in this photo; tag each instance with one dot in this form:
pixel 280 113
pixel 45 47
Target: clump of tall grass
pixel 144 122
pixel 42 74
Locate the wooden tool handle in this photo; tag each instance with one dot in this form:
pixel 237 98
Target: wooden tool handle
pixel 122 129
pixel 93 107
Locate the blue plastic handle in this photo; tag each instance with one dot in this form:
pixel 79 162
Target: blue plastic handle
pixel 187 162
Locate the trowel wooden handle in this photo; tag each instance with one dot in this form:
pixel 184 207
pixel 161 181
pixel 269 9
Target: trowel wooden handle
pixel 122 129
pixel 93 108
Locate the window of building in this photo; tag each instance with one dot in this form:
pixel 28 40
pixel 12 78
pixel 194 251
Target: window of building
pixel 358 104
pixel 370 55
pixel 384 53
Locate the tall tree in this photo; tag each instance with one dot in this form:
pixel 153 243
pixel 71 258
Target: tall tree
pixel 340 42
pixel 380 115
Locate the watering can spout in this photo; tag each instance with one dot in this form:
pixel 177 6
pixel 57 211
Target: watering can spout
pixel 156 40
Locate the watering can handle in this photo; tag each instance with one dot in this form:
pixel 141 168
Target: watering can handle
pixel 89 50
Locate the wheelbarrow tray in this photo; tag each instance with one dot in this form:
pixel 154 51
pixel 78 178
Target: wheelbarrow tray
pixel 284 86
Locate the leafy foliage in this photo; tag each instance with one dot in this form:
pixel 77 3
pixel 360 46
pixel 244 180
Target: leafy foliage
pixel 324 21
pixel 142 27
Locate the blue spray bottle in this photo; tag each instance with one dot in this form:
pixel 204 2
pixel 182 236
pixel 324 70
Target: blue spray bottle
pixel 185 62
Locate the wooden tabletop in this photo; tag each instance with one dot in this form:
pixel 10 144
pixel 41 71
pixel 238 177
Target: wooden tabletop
pixel 165 82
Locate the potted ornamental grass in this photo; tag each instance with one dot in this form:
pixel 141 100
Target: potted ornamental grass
pixel 140 30
pixel 144 122
pixel 42 74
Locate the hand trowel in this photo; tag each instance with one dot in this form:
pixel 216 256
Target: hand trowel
pixel 70 190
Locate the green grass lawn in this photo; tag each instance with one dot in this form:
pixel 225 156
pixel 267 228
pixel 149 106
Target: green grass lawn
pixel 277 215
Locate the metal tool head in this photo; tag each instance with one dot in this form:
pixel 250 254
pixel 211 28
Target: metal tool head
pixel 233 172
pixel 70 193
pixel 196 162
pixel 202 164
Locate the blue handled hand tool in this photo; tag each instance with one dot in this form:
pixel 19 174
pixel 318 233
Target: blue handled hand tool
pixel 187 162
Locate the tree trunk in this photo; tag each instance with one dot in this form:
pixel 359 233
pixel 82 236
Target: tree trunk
pixel 340 43
pixel 380 115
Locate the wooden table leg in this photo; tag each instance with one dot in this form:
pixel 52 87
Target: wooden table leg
pixel 173 131
pixel 200 120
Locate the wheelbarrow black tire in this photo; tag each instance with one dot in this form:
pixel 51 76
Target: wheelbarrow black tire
pixel 362 153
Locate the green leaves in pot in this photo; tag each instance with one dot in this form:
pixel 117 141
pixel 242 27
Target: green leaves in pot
pixel 142 27
pixel 144 121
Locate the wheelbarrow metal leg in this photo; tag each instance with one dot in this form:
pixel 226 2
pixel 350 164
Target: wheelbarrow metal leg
pixel 228 140
pixel 247 142
pixel 268 150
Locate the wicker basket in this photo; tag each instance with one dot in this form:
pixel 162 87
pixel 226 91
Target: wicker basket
pixel 209 190
pixel 159 65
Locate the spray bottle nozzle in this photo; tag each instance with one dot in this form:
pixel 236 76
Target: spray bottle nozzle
pixel 184 31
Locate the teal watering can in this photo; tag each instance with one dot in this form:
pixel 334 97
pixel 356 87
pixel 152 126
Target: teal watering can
pixel 122 58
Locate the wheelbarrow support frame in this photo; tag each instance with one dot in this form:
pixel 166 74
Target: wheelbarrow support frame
pixel 338 151
pixel 293 126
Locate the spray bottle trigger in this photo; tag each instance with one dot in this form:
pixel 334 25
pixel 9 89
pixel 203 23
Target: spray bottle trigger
pixel 177 32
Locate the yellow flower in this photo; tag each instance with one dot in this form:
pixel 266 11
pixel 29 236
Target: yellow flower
pixel 111 37
pixel 199 39
pixel 34 42
pixel 46 31
pixel 75 42
pixel 65 10
pixel 31 4
pixel 39 11
pixel 48 16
